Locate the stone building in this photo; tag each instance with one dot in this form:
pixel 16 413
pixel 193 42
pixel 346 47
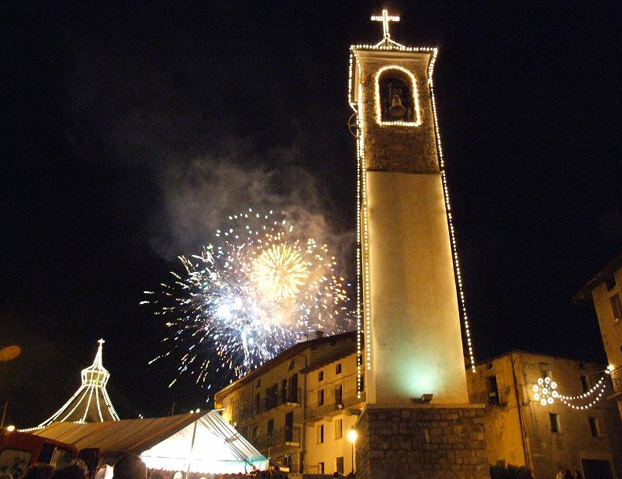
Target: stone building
pixel 521 431
pixel 604 292
pixel 298 407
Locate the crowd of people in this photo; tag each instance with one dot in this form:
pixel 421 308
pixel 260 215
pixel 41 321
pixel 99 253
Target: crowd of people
pixel 128 467
pixel 132 466
pixel 568 474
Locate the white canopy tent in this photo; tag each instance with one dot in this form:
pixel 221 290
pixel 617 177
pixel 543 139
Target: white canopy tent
pixel 202 443
pixel 207 445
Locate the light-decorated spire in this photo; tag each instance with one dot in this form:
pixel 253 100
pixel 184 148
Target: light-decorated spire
pixel 91 402
pixel 96 375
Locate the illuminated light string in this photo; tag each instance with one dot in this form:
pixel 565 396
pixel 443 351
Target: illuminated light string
pixel 415 95
pixel 545 392
pixel 359 357
pixel 94 380
pixel 354 48
pixel 363 213
pixel 362 218
pixel 385 18
pixel 452 234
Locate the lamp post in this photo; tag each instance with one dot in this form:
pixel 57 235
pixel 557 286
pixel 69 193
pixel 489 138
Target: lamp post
pixel 352 437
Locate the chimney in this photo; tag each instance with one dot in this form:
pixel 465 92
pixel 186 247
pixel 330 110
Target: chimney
pixel 319 334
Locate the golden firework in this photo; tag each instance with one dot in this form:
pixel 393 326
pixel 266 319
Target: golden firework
pixel 279 271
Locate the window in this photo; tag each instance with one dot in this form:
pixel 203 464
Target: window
pixel 338 429
pixel 284 391
pixel 554 420
pixel 339 395
pixel 61 457
pixel 545 370
pixel 320 376
pixel 338 369
pixel 292 364
pixel 257 403
pixel 270 427
pixel 611 283
pixel 594 427
pixel 289 427
pixel 320 434
pixel 616 307
pixel 274 395
pixel 258 383
pixel 255 433
pixel 339 465
pixel 293 388
pixel 320 397
pixel 493 390
pixel 362 383
pixel 584 384
pixel 45 455
pixel 320 468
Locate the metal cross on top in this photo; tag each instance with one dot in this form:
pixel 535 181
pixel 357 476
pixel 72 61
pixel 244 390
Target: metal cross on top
pixel 385 18
pixel 101 342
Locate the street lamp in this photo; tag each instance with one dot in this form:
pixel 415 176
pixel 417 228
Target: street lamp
pixel 352 437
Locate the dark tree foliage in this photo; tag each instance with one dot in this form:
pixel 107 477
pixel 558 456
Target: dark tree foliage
pixel 509 472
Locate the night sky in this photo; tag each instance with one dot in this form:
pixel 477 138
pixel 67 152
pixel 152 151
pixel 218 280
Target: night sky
pixel 128 134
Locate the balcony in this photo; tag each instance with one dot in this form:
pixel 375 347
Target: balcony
pixel 283 437
pixel 284 401
pixel 334 405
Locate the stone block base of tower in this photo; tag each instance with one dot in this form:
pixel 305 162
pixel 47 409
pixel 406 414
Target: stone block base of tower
pixel 421 441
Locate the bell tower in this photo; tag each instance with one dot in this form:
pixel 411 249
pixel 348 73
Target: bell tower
pixel 417 421
pixel 408 295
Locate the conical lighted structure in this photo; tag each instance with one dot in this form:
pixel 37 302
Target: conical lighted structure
pixel 91 402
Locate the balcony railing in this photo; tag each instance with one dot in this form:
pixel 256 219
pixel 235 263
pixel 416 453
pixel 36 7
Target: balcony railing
pixel 347 399
pixel 285 399
pixel 282 437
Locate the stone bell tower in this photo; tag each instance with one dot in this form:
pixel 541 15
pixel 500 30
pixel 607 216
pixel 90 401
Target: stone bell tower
pixel 411 346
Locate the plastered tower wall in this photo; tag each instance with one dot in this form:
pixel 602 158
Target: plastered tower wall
pixel 411 317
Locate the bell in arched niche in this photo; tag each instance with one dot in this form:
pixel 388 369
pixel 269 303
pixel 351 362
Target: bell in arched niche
pixel 396 97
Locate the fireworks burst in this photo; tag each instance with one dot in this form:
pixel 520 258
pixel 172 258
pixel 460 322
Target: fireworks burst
pixel 259 289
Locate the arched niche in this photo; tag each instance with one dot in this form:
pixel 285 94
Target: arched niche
pixel 397 102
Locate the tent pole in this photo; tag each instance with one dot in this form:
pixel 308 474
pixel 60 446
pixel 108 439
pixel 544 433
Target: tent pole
pixel 194 433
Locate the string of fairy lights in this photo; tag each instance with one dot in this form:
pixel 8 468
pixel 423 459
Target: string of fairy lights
pixel 363 310
pixel 413 82
pixel 450 220
pixel 545 392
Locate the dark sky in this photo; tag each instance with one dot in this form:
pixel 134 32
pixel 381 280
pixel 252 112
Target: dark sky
pixel 128 133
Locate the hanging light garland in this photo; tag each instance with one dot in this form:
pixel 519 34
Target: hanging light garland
pixel 545 392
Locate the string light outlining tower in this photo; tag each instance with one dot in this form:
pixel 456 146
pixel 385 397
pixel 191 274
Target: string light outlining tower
pixel 357 101
pixel 400 162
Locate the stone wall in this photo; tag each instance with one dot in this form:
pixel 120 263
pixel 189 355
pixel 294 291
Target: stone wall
pixel 422 441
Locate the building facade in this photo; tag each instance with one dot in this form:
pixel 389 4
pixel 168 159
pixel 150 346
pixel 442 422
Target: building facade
pixel 546 438
pixel 604 292
pixel 298 408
